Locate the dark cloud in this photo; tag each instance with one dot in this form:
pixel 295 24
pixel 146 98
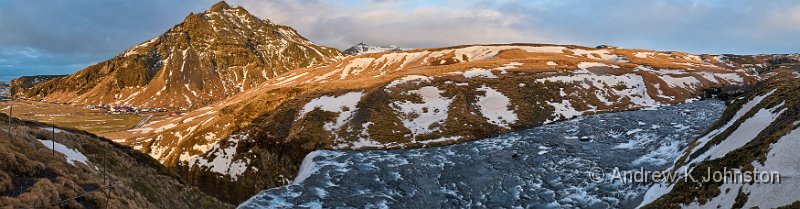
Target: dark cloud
pixel 56 37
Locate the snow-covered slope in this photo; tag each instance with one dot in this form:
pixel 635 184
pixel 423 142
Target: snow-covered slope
pixel 208 57
pixel 760 134
pixel 363 48
pixel 419 98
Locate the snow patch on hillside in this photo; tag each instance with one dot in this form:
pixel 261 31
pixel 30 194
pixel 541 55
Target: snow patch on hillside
pixel 72 155
pixel 51 129
pixel 479 72
pixel 286 80
pixel 782 158
pixel 733 77
pixel 355 67
pixel 494 106
pixel 222 158
pixel 687 82
pixel 586 65
pixel 344 106
pixel 419 117
pixel 745 133
pixel 702 141
pixel 724 200
pixel 417 78
pixel 634 89
pixel 656 191
pixel 508 66
pixel 644 54
pixel 599 54
pixel 563 110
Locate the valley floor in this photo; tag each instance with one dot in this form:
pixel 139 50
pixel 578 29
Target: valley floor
pixel 544 167
pixel 93 121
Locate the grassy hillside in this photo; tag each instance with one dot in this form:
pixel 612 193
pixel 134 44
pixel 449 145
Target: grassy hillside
pixel 86 172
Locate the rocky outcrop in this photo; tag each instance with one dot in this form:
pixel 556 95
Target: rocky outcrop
pixel 26 82
pixel 208 57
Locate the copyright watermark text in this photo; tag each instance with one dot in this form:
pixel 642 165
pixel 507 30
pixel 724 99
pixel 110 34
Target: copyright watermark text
pixel 727 176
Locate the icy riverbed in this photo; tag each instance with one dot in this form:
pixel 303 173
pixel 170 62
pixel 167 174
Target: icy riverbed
pixel 542 167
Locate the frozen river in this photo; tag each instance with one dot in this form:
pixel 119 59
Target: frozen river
pixel 543 167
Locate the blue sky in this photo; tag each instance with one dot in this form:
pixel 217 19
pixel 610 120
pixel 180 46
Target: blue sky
pixel 61 37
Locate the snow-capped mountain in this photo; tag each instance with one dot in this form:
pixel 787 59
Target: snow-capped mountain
pixel 363 48
pixel 419 98
pixel 208 57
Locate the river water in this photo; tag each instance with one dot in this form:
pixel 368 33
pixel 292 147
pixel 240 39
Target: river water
pixel 552 166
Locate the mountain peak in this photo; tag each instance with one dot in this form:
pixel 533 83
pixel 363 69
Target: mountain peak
pixel 219 6
pixel 362 48
pixel 206 58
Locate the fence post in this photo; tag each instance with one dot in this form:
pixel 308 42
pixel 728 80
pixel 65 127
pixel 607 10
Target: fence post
pixel 54 139
pixel 10 111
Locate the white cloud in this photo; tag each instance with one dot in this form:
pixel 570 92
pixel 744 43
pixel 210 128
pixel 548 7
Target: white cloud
pixel 712 26
pixel 392 22
pixel 57 36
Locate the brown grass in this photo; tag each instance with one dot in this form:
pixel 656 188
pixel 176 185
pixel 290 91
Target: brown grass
pixel 32 176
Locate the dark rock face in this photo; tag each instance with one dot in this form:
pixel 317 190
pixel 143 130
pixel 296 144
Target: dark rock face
pixel 543 167
pixel 22 83
pixel 208 57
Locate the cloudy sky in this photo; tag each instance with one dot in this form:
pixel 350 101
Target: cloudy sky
pixel 61 37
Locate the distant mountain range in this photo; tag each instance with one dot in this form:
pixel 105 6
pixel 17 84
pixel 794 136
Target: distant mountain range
pixel 363 48
pixel 208 57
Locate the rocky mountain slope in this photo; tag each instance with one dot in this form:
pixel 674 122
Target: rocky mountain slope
pixel 25 82
pixel 208 57
pixel 85 171
pixel 759 133
pixel 363 48
pixel 418 98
